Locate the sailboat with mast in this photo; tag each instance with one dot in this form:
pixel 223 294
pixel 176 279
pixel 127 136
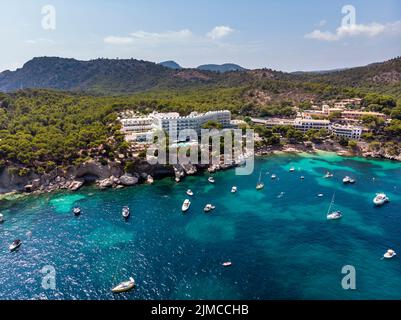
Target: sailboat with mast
pixel 333 215
pixel 260 185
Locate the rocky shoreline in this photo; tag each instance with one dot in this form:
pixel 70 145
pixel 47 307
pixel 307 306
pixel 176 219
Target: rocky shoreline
pixel 113 175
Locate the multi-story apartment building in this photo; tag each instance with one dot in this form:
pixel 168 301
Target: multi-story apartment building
pixel 137 128
pixel 346 131
pixel 309 124
pixel 304 125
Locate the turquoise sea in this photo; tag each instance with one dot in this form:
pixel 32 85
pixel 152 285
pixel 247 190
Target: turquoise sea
pixel 278 239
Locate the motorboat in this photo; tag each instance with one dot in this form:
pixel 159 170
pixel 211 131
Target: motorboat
pixel 390 254
pixel 328 175
pixel 292 169
pixel 274 176
pixel 190 192
pixel 320 195
pixel 126 213
pixel 333 215
pixel 186 205
pixel 227 264
pixel 380 199
pixel 211 180
pixel 234 189
pixel 1 218
pixel 15 245
pixel 77 211
pixel 124 286
pixel 302 178
pixel 348 180
pixel 150 180
pixel 209 207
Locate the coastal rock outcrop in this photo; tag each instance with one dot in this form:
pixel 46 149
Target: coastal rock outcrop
pixel 76 185
pixel 128 180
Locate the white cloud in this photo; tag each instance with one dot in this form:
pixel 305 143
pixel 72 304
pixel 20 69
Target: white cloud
pixel 39 40
pixel 354 30
pixel 150 38
pixel 219 32
pixel 322 23
pixel 117 40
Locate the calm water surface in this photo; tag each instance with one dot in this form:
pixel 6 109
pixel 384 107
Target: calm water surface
pixel 278 239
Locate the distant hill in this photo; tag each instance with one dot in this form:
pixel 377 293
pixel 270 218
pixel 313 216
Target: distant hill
pixel 170 64
pixel 126 76
pixel 227 67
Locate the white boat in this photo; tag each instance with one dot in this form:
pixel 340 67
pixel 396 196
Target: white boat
pixel 348 180
pixel 320 195
pixel 150 180
pixel 333 215
pixel 274 176
pixel 77 211
pixel 389 254
pixel 380 199
pixel 227 264
pixel 15 245
pixel 260 185
pixel 328 175
pixel 292 169
pixel 234 189
pixel 1 218
pixel 186 205
pixel 211 180
pixel 302 177
pixel 190 193
pixel 126 213
pixel 209 207
pixel 124 286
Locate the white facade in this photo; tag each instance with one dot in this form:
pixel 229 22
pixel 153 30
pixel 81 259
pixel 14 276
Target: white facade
pixel 194 121
pixel 137 128
pixel 346 131
pixel 311 124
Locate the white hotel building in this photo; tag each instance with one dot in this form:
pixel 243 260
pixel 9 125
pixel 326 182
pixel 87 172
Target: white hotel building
pixel 137 128
pixel 304 125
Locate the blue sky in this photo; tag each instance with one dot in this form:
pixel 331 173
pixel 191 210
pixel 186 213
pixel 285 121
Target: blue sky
pixel 286 35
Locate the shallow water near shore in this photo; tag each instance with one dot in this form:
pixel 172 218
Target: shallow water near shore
pixel 278 239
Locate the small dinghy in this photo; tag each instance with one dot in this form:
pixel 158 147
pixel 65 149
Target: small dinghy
pixel 348 180
pixel 209 207
pixel 274 176
pixel 150 180
pixel 389 254
pixel 292 169
pixel 77 211
pixel 126 213
pixel 320 195
pixel 234 189
pixel 380 199
pixel 15 245
pixel 124 286
pixel 190 193
pixel 211 180
pixel 1 218
pixel 328 175
pixel 302 178
pixel 186 205
pixel 227 264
